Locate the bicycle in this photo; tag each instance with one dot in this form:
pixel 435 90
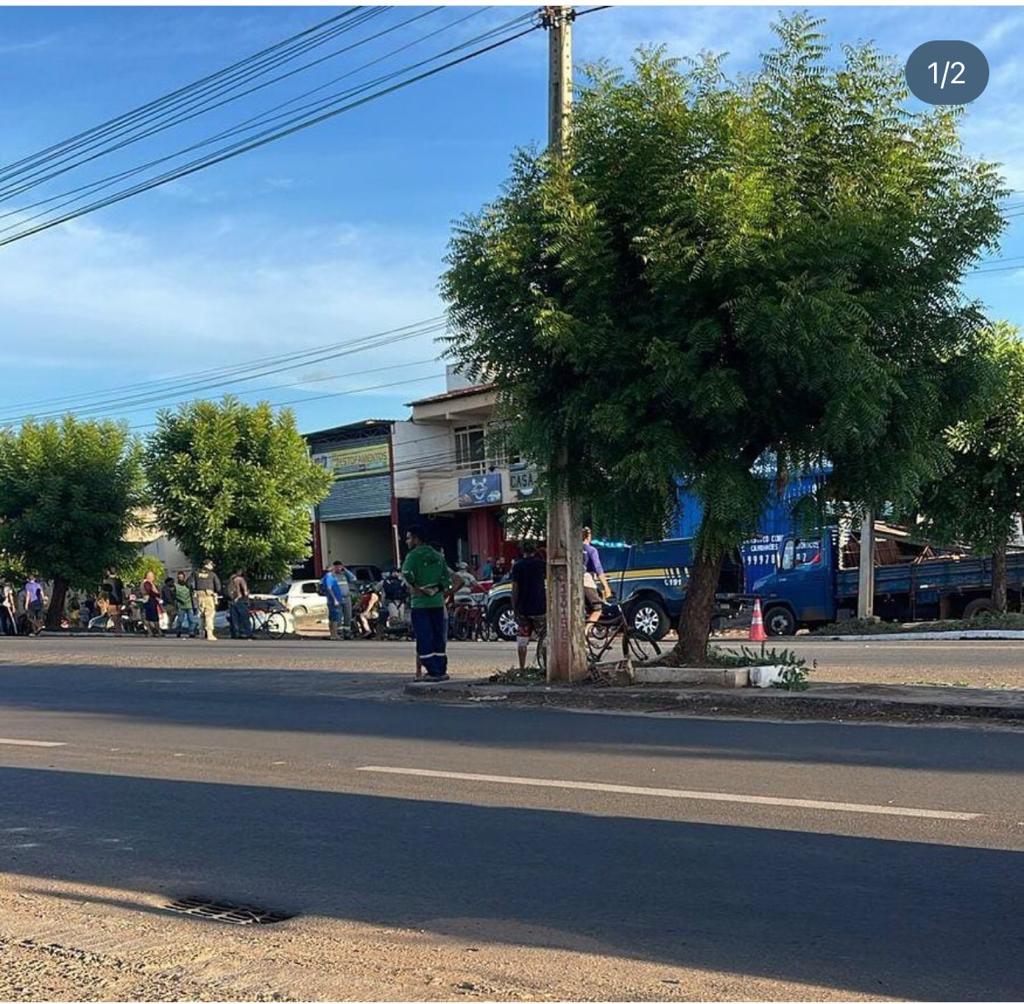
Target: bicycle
pixel 613 628
pixel 466 621
pixel 601 636
pixel 267 623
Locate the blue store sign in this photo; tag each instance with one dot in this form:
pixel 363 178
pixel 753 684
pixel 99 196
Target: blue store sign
pixel 480 489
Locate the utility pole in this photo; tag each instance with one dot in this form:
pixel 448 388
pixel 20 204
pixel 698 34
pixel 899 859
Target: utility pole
pixel 866 568
pixel 565 660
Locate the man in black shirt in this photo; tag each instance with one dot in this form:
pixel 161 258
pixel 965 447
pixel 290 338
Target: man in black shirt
pixel 113 590
pixel 529 598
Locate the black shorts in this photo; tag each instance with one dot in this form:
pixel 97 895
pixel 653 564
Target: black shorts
pixel 592 600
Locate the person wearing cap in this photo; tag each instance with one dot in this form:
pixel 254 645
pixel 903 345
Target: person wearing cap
pixel 463 580
pixel 206 587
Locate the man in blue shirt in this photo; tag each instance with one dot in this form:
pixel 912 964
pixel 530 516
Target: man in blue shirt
pixel 335 593
pixel 593 574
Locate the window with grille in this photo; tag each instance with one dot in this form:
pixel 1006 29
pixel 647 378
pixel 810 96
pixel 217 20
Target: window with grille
pixel 470 449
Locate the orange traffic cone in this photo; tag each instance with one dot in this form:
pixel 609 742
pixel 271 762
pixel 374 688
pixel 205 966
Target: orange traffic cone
pixel 757 623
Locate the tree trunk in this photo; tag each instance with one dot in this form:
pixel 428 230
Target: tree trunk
pixel 695 620
pixel 55 611
pixel 999 578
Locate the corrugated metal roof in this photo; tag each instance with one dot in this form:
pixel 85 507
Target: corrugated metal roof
pixel 357 498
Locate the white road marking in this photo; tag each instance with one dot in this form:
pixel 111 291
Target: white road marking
pixel 28 742
pixel 707 796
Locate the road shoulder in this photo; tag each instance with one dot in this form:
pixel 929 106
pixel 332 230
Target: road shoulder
pixel 828 701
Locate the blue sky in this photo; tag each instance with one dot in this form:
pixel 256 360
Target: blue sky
pixel 338 232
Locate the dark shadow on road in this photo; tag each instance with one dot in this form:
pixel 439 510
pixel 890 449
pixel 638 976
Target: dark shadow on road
pixel 881 917
pixel 328 702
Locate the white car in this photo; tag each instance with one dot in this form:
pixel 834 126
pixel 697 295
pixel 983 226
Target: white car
pixel 301 597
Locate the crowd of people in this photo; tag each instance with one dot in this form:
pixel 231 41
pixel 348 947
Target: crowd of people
pixel 416 601
pixel 184 604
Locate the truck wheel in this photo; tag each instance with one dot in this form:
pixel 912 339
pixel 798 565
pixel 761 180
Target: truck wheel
pixel 779 621
pixel 648 618
pixel 299 611
pixel 977 607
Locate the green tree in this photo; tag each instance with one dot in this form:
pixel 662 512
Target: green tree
pixel 727 269
pixel 134 569
pixel 980 491
pixel 234 483
pixel 68 493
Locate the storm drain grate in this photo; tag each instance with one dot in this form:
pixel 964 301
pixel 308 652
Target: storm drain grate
pixel 227 913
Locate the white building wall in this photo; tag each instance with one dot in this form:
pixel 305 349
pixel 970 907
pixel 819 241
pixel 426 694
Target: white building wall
pixel 419 446
pixel 167 550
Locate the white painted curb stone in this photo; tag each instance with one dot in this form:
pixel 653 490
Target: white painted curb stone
pixel 992 635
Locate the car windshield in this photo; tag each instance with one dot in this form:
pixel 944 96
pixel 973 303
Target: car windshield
pixel 281 589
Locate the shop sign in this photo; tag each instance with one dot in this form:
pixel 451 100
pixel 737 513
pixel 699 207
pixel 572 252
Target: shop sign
pixel 355 461
pixel 523 482
pixel 479 489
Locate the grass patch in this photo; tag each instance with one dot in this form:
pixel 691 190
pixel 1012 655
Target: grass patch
pixel 516 677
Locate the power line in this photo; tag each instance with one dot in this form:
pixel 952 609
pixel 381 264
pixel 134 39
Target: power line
pixel 207 103
pixel 333 394
pixel 296 124
pixel 269 365
pixel 286 47
pixel 262 118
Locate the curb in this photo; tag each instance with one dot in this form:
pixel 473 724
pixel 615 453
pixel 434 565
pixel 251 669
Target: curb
pixel 968 635
pixel 747 703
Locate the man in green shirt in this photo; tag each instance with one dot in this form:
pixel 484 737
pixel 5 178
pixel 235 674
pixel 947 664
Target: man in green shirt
pixel 426 573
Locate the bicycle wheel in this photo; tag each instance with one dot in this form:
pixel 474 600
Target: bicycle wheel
pixel 276 625
pixel 255 624
pixel 639 647
pixel 597 641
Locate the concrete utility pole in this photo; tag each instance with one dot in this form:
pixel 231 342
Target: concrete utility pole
pixel 866 568
pixel 565 660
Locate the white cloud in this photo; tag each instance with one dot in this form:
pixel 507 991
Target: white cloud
pixel 113 306
pixel 28 45
pixel 1003 30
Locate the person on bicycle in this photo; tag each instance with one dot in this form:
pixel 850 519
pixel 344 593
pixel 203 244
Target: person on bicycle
pixel 593 575
pixel 529 599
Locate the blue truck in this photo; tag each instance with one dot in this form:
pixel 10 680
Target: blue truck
pixel 815 582
pixel 649 580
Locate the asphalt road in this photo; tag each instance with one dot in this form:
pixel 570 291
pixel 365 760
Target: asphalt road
pixel 433 852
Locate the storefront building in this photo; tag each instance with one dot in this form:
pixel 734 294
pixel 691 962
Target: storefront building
pixel 355 523
pixel 451 457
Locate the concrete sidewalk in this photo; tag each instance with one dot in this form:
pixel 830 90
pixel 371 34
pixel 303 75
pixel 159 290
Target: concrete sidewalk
pixel 830 701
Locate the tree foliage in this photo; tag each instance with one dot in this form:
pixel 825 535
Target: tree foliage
pixel 723 269
pixel 981 489
pixel 234 483
pixel 134 570
pixel 68 493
